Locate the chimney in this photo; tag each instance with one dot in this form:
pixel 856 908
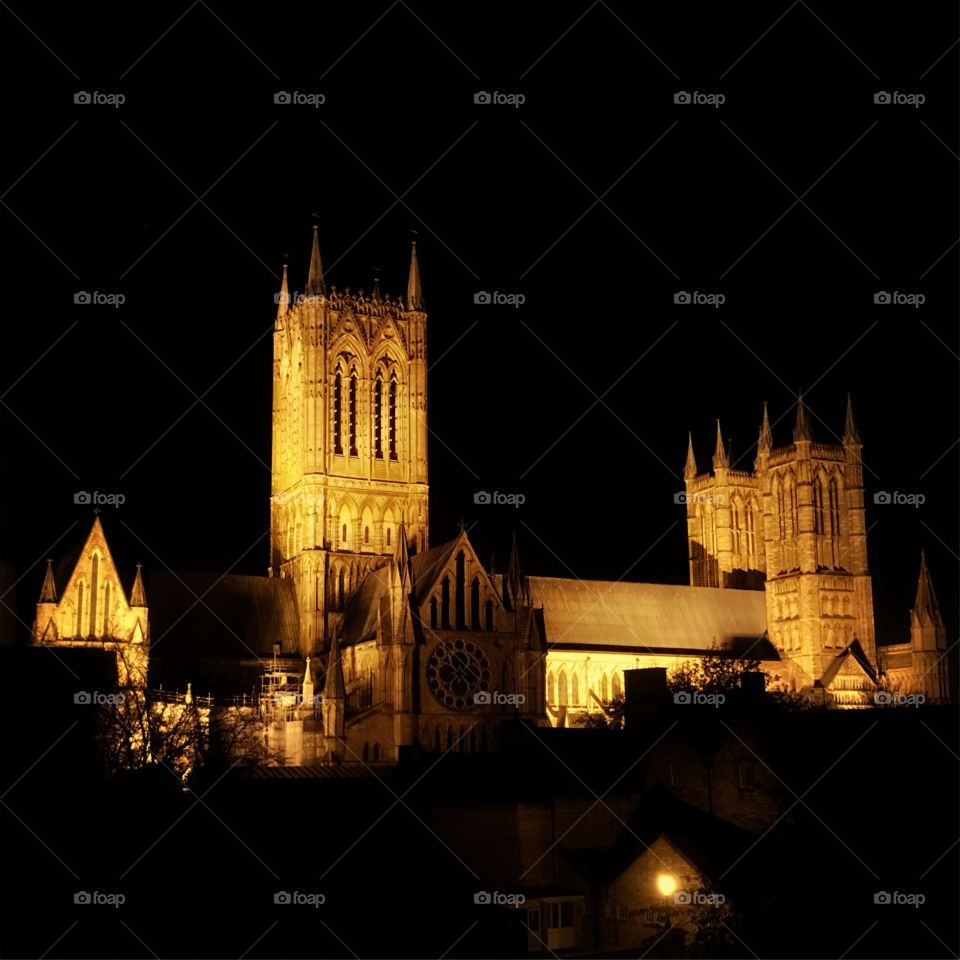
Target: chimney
pixel 645 693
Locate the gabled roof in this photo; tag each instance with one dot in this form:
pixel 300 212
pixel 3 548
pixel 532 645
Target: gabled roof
pixel 652 616
pixel 847 661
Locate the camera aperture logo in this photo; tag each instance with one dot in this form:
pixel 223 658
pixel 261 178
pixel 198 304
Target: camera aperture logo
pixel 86 698
pixel 499 499
pixel 898 498
pixel 499 98
pixel 892 698
pixel 498 698
pixel 699 99
pixel 717 499
pixel 899 899
pixel 698 699
pixel 99 99
pixel 698 898
pixel 97 898
pixel 497 298
pixel 899 99
pixel 699 299
pixel 99 499
pixel 298 898
pixel 299 98
pixel 497 899
pixel 98 298
pixel 899 299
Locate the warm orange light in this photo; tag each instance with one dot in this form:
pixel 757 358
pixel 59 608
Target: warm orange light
pixel 666 884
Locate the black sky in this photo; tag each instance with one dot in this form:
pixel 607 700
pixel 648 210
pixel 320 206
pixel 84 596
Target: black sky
pixel 597 200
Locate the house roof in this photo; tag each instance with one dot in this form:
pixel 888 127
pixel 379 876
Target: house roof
pixel 654 616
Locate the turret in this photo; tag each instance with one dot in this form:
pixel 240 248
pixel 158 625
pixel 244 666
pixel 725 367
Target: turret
pixel 690 467
pixel 334 702
pixel 316 286
pixel 720 461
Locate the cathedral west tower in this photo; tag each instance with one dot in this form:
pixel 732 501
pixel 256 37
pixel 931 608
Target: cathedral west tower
pixel 349 461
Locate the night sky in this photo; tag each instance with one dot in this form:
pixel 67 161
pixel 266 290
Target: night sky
pixel 596 199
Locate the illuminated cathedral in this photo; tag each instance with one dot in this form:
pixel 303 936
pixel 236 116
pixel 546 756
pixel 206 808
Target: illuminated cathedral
pixel 365 639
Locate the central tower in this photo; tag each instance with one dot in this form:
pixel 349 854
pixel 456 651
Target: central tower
pixel 349 462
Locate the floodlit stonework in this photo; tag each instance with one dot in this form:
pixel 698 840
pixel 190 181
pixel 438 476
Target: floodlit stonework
pixel 368 640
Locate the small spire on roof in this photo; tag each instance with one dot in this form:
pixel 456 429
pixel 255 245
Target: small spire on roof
pixel 48 592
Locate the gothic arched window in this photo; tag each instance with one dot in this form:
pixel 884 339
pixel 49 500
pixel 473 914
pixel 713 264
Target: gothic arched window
pixel 366 534
pixel 551 692
pixel 475 604
pixel 392 422
pixel 338 412
pixel 461 613
pixel 79 627
pixel 433 612
pixel 562 689
pixel 617 688
pixel 445 603
pixel 353 413
pixel 106 609
pixel 574 689
pixel 388 536
pixel 94 574
pixel 489 615
pixel 378 417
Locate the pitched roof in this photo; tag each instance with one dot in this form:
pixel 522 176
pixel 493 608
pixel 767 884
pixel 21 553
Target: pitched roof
pixel 235 617
pixel 360 610
pixel 852 654
pixel 654 616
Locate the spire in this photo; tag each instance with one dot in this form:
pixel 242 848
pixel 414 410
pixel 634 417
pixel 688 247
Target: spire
pixel 765 443
pixel 720 455
pixel 48 592
pixel 333 686
pixel 138 597
pixel 376 295
pixel 801 428
pixel 307 675
pixel 401 554
pixel 414 293
pixel 315 283
pixel 283 300
pixel 516 578
pixel 850 432
pixel 925 607
pixel 690 467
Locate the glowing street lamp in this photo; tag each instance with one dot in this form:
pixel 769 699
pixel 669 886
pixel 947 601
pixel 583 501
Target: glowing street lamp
pixel 667 884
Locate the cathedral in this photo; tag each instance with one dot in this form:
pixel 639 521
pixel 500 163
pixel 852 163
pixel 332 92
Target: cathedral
pixel 365 639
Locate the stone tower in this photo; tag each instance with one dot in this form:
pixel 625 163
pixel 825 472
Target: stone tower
pixel 795 524
pixel 928 642
pixel 349 462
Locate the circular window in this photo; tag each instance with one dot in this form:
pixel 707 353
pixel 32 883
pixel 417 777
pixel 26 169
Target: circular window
pixel 456 670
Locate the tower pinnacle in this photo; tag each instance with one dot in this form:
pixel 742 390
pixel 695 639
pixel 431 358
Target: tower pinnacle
pixel 316 287
pixel 720 460
pixel 690 467
pixel 850 432
pixel 414 293
pixel 283 300
pixel 801 428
